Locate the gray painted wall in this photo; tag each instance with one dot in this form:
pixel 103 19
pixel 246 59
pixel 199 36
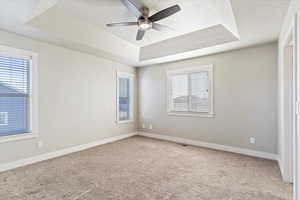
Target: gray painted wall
pixel 77 99
pixel 245 100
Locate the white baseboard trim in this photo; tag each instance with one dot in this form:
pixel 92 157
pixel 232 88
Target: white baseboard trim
pixel 286 177
pixel 47 156
pixel 212 146
pixel 280 166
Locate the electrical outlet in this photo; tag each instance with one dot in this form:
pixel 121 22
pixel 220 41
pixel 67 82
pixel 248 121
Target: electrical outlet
pixel 40 144
pixel 143 126
pixel 252 140
pixel 150 126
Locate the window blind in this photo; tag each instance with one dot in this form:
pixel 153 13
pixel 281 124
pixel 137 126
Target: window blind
pixel 190 92
pixel 180 93
pixel 199 88
pixel 14 95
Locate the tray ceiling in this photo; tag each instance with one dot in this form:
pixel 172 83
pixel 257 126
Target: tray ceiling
pixel 80 25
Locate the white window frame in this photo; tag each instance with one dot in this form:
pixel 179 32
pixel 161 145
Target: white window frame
pixel 131 78
pixel 33 95
pixel 204 68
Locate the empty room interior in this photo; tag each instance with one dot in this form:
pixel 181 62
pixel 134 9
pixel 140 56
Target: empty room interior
pixel 150 100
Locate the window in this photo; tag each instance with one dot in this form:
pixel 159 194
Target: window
pixel 125 96
pixel 17 103
pixel 3 118
pixel 190 91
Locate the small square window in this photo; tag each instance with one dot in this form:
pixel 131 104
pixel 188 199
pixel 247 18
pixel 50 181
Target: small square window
pixel 190 91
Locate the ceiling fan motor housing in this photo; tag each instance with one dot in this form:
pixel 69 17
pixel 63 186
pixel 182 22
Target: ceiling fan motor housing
pixel 143 22
pixel 145 11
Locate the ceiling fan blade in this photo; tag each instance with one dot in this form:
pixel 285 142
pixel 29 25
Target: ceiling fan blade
pixel 140 35
pixel 122 24
pixel 164 13
pixel 160 27
pixel 132 7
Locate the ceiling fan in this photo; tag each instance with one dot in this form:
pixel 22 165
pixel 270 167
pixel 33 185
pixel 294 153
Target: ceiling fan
pixel 144 21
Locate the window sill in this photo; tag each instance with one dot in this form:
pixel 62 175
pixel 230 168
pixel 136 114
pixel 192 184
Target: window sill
pixel 24 136
pixel 125 122
pixel 200 115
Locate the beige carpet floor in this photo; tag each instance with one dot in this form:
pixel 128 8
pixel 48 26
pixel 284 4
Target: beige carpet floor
pixel 141 168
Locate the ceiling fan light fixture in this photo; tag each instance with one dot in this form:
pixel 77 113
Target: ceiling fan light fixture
pixel 145 26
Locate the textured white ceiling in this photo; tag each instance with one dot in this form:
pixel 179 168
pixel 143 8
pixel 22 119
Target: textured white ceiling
pixel 195 15
pixel 200 39
pixel 80 25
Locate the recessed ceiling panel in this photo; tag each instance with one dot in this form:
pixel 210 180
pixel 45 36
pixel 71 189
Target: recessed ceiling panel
pixel 211 36
pixel 80 20
pixel 195 15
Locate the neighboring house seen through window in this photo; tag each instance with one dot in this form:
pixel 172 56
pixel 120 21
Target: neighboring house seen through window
pixel 16 104
pixel 190 91
pixel 125 97
pixel 3 118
